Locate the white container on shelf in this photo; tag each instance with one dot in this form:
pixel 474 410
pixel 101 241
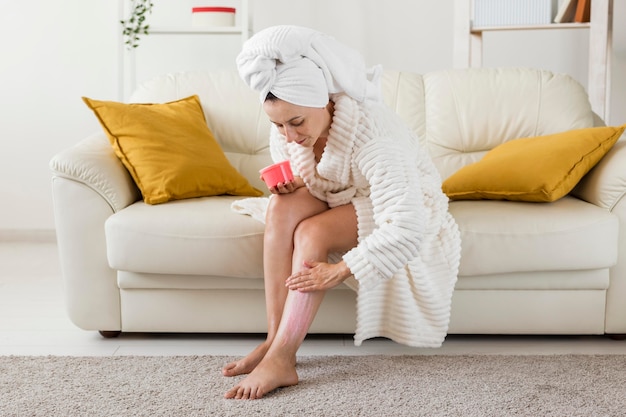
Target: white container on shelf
pixel 206 17
pixel 513 12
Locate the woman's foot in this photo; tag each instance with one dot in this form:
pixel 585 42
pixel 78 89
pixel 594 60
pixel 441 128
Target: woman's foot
pixel 247 364
pixel 267 376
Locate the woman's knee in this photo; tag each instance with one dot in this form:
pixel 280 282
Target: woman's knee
pixel 309 234
pixel 332 231
pixel 277 208
pixel 293 208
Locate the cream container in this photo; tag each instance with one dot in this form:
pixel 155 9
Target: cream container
pixel 203 17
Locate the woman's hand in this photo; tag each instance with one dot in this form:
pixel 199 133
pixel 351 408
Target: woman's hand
pixel 287 187
pixel 318 276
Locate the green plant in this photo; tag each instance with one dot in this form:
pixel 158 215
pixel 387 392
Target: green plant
pixel 135 24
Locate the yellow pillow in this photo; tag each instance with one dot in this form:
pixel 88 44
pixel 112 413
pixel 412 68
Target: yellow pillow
pixel 169 150
pixel 539 169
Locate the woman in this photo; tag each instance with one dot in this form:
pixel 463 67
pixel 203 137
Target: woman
pixel 365 207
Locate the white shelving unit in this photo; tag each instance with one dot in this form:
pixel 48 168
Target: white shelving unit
pixel 468 48
pixel 128 58
pixel 242 29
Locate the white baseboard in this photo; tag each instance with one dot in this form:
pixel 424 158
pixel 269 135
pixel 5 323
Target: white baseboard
pixel 28 235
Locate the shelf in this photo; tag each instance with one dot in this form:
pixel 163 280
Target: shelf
pixel 179 28
pixel 468 46
pixel 479 29
pixel 232 30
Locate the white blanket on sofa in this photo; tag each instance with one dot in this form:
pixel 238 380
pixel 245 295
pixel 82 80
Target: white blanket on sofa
pixel 253 206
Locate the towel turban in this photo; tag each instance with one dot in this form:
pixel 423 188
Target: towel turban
pixel 303 67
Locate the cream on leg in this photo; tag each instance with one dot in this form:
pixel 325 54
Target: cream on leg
pixel 314 236
pixel 278 367
pixel 284 214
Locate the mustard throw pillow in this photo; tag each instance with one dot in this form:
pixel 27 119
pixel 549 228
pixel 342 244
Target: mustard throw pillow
pixel 169 150
pixel 538 169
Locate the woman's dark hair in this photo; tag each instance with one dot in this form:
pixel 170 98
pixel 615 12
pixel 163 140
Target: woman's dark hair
pixel 271 97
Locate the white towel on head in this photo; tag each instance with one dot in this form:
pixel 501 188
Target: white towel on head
pixel 343 68
pixel 300 82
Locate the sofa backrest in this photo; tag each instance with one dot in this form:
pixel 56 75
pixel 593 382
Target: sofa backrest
pixel 459 115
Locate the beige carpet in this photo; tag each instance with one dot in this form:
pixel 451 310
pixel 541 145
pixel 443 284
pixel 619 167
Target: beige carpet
pixel 481 385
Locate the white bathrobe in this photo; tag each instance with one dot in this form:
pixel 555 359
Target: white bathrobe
pixel 407 258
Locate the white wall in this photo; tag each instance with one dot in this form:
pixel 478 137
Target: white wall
pixel 52 53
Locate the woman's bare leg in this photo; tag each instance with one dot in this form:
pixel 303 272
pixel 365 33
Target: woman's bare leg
pixel 284 214
pixel 315 237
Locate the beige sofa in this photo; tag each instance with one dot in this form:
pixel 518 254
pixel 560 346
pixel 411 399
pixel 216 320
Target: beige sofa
pixel 195 266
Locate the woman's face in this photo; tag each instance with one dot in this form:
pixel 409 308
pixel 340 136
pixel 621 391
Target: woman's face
pixel 303 125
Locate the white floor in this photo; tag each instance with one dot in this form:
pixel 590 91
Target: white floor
pixel 33 322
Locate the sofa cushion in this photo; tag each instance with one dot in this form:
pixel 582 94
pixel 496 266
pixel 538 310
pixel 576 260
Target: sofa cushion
pixel 540 169
pixel 196 237
pixel 505 236
pixel 169 150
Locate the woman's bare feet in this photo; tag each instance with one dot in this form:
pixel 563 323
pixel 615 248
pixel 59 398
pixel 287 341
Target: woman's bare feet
pixel 247 364
pixel 270 373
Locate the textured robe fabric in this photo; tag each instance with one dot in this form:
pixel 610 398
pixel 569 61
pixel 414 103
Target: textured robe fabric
pixel 406 262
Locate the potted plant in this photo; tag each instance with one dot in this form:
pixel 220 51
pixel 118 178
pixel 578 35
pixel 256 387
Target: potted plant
pixel 136 25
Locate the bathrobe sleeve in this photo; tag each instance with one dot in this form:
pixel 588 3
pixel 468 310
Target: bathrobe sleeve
pixel 400 216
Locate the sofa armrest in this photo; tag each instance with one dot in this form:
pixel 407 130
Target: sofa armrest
pixel 93 163
pixel 605 185
pixel 89 184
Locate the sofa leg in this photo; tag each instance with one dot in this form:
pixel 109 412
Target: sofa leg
pixel 108 334
pixel 617 336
